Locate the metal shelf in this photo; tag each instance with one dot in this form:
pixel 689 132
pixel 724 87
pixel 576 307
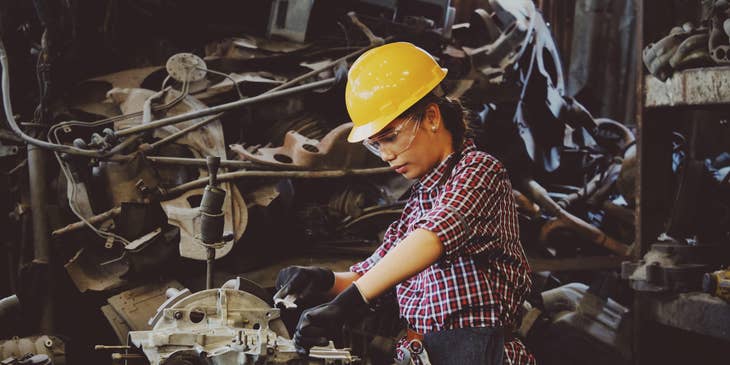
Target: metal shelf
pixel 693 87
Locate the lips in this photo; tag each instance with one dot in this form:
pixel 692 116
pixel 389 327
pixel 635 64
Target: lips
pixel 400 169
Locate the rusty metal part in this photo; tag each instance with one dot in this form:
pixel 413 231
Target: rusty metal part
pixel 525 205
pixel 87 273
pixel 684 47
pixel 566 220
pixel 327 66
pixel 226 327
pixel 132 309
pixel 719 39
pixel 692 50
pixel 490 60
pixel 280 174
pixel 186 67
pixel 374 40
pixel 598 184
pixel 204 137
pixel 673 267
pixel 109 214
pixel 225 107
pixel 299 152
pixel 17 348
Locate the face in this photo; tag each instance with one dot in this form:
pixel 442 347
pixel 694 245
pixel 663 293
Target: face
pixel 413 146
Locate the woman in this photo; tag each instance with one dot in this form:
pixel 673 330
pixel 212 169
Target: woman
pixel 454 256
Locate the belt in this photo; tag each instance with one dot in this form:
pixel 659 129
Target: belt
pixel 414 335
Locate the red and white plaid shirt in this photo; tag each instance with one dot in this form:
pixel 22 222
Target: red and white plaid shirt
pixel 483 276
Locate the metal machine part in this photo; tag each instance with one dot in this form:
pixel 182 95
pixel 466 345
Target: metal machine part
pixel 223 326
pixel 132 309
pixel 719 37
pixel 299 152
pixel 673 267
pixel 595 329
pixel 40 350
pixel 186 67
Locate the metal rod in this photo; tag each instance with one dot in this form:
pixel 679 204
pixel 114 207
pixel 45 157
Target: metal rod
pixel 186 161
pixel 209 267
pixel 278 174
pixel 224 107
pixel 92 220
pixel 184 131
pixel 309 74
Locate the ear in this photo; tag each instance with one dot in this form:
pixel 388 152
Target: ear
pixel 432 117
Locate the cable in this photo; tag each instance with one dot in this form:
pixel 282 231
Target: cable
pixel 14 125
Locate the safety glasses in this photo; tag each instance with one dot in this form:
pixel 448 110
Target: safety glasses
pixel 394 140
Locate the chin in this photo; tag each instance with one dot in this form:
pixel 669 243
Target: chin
pixel 412 175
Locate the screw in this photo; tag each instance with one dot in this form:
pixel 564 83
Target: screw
pixel 178 315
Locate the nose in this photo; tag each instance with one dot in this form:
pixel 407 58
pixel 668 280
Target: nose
pixel 386 155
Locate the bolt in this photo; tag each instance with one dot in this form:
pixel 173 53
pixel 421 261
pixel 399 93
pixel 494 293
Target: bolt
pixel 48 343
pixel 178 315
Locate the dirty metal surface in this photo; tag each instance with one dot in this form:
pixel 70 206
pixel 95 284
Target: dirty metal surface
pixel 136 306
pixel 696 312
pixel 693 87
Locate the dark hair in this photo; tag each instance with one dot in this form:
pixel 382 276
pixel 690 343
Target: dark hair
pixel 452 113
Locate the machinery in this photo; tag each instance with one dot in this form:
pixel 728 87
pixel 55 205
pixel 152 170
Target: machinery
pixel 224 326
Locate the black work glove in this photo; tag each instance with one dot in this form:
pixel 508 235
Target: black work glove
pixel 320 323
pixel 309 284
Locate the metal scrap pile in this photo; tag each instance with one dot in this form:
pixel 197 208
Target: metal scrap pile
pixel 129 150
pixel 688 46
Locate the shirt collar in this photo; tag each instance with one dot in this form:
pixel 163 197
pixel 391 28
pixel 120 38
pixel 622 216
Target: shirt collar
pixel 432 178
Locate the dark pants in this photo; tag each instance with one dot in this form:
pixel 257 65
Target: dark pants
pixel 465 346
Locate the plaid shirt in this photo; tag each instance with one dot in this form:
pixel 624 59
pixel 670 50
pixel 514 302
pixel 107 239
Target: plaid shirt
pixel 483 276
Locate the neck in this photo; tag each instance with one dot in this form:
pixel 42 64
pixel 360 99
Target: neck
pixel 448 146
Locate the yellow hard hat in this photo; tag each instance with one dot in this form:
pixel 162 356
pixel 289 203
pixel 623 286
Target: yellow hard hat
pixel 386 81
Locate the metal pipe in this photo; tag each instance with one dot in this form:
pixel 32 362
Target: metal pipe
pixel 9 308
pixel 92 220
pixel 37 179
pixel 184 131
pixel 323 68
pixel 224 107
pixel 565 219
pixel 186 161
pixel 277 174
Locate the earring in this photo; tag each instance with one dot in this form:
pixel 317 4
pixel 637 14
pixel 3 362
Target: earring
pixel 433 128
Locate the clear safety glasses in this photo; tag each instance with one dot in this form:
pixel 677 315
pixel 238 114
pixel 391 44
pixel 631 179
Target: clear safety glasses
pixel 394 140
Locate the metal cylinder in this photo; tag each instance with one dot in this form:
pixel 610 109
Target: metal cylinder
pixel 37 179
pixel 9 308
pixel 212 219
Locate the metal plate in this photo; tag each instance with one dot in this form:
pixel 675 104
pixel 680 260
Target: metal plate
pixel 186 67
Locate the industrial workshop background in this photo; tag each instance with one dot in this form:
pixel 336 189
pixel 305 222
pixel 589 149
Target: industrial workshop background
pixel 152 150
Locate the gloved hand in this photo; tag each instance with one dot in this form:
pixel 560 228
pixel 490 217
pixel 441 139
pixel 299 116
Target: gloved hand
pixel 317 325
pixel 309 284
